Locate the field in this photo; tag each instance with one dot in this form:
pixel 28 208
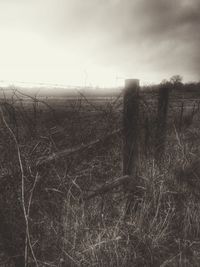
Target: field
pixel 64 200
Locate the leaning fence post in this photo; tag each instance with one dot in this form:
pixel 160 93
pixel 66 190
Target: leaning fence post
pixel 131 127
pixel 163 100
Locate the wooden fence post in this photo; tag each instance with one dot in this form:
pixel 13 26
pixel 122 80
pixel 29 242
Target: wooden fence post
pixel 181 116
pixel 131 127
pixel 163 100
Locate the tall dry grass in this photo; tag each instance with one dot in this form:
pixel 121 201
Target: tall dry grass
pixel 46 218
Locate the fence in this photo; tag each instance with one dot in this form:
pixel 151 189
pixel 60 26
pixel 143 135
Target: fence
pixel 146 117
pixel 144 129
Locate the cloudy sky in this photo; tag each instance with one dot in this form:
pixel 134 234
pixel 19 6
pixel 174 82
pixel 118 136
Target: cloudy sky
pixel 99 42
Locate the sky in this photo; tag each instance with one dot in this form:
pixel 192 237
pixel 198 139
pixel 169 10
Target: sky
pixel 99 42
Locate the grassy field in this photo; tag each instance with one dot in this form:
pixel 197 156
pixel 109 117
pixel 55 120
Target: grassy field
pixel 69 210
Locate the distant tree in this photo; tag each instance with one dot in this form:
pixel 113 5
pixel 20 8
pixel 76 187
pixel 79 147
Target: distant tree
pixel 176 80
pixel 164 81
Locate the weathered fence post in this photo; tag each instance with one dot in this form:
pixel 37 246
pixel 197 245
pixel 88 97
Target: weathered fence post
pixel 181 116
pixel 131 127
pixel 163 100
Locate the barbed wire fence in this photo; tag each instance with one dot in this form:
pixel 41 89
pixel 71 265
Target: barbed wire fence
pixel 31 158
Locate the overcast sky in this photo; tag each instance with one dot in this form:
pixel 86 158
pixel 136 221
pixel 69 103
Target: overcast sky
pixel 83 42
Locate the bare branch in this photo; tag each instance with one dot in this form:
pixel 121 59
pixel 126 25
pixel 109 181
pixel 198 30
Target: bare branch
pixel 70 151
pixel 110 186
pixel 28 240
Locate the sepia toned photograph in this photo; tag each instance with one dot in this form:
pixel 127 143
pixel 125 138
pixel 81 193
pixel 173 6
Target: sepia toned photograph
pixel 99 133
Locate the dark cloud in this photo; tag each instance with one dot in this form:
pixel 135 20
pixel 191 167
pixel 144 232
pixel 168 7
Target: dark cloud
pixel 165 33
pixel 158 37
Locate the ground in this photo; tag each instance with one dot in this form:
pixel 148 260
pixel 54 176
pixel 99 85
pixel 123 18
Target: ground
pixel 49 173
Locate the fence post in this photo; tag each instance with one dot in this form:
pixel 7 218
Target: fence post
pixel 181 116
pixel 131 127
pixel 163 100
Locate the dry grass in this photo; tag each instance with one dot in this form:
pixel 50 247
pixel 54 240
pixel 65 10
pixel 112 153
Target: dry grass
pixel 58 227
